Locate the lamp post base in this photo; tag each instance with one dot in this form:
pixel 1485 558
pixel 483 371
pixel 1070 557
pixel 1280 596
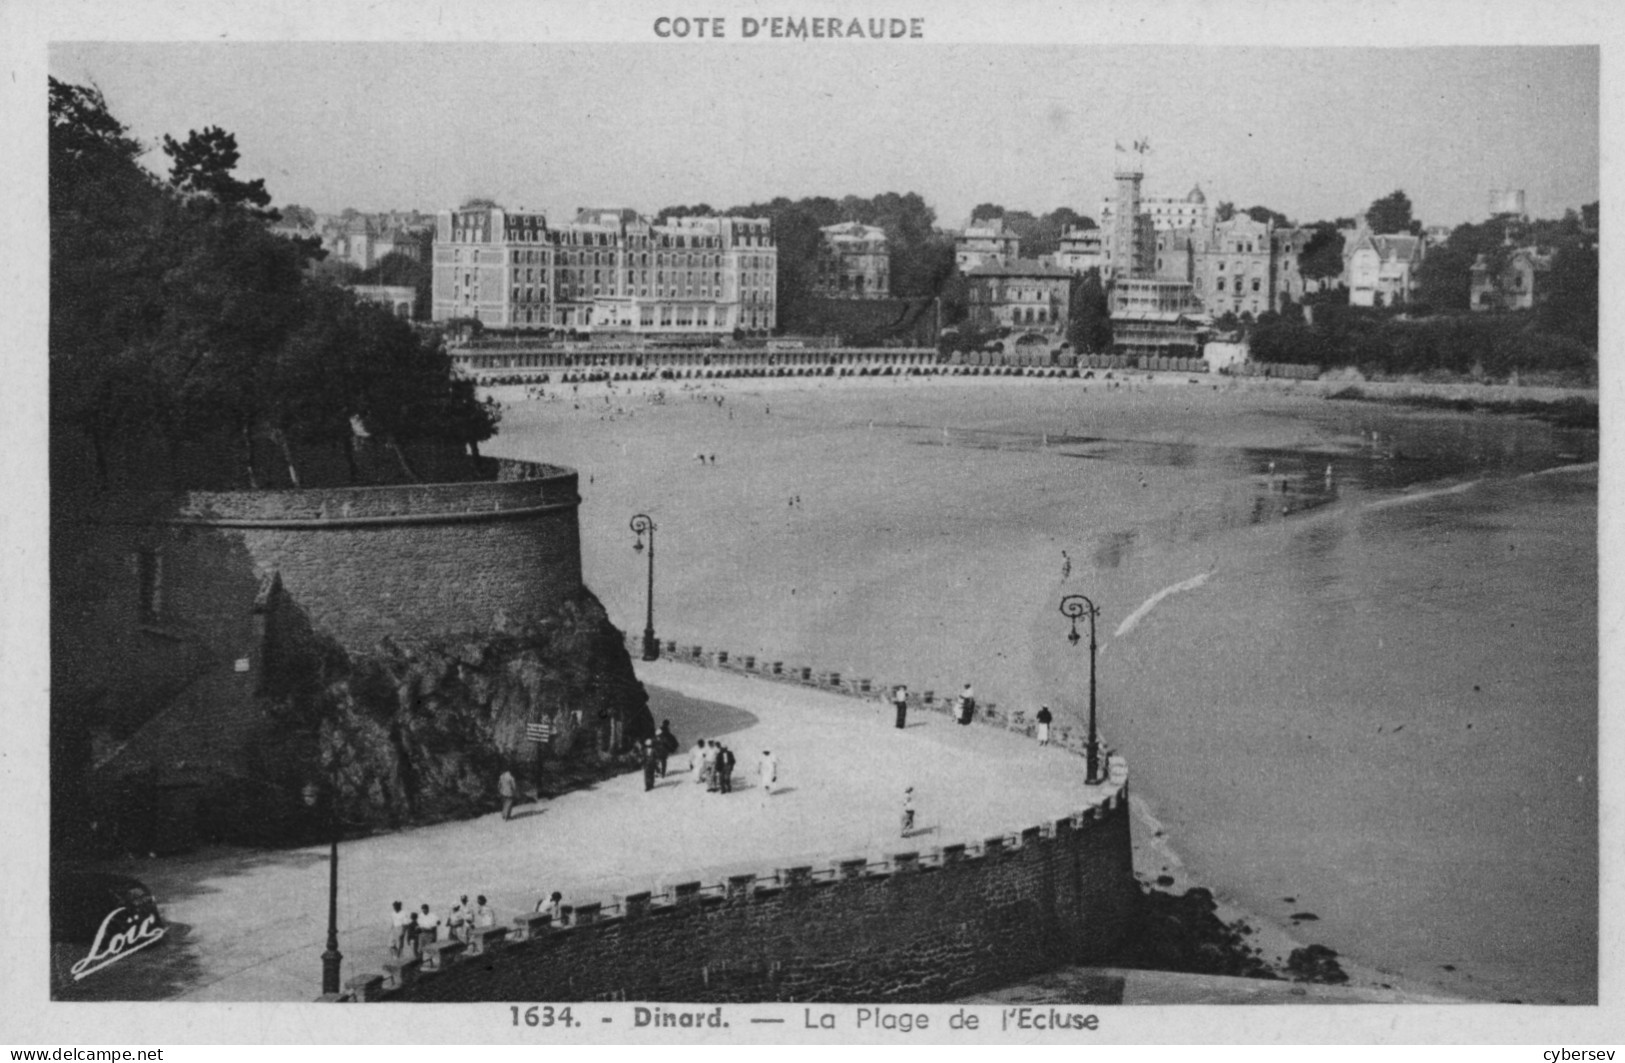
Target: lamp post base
pixel 330 970
pixel 651 646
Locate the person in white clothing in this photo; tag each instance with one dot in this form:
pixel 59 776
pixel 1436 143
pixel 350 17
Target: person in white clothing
pixel 767 771
pixel 400 923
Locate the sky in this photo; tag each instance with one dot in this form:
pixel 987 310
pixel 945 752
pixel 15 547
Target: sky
pixel 1311 132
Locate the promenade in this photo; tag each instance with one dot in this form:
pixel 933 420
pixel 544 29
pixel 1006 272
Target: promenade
pixel 250 926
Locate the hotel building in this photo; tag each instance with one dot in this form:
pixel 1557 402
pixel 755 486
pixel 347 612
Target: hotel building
pixel 610 270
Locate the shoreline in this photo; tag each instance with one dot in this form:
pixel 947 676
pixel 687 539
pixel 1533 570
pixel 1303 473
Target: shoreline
pixel 1396 391
pixel 1274 941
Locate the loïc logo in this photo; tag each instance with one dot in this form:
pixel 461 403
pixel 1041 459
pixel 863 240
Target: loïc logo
pixel 111 947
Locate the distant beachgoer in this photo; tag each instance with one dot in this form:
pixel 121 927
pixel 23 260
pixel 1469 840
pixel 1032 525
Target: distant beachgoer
pixel 1066 565
pixel 967 705
pixel 483 918
pixel 695 758
pixel 908 811
pixel 1044 720
pixel 899 699
pixel 507 788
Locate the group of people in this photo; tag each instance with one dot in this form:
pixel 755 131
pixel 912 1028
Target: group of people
pixel 416 929
pixel 654 753
pixel 713 765
pixel 964 706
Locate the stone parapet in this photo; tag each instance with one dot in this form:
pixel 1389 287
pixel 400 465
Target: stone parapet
pixel 911 926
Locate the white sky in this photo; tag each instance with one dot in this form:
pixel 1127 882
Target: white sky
pixel 1312 132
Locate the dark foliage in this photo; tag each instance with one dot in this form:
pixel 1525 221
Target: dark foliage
pixel 177 314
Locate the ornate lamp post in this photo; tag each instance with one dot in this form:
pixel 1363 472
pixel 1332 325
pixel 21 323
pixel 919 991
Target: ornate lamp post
pixel 1074 606
pixel 640 524
pixel 331 958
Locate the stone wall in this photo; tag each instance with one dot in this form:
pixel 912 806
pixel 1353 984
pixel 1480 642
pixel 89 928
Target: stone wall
pixel 363 563
pixel 917 927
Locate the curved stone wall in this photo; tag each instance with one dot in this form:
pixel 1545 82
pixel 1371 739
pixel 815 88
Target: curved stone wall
pixel 914 928
pixel 408 561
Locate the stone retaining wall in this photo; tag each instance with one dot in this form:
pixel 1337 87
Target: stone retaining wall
pixel 914 927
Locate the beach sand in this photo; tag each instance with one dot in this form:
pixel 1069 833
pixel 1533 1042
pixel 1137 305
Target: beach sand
pixel 911 529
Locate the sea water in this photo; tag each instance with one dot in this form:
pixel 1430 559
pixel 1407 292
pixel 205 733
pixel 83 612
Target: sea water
pixel 1371 703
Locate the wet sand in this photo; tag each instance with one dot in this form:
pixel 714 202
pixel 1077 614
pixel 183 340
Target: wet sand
pixel 913 531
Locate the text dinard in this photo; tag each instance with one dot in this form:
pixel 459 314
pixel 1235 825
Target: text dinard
pixel 706 27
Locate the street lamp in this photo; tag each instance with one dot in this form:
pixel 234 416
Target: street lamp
pixel 1072 607
pixel 332 957
pixel 640 524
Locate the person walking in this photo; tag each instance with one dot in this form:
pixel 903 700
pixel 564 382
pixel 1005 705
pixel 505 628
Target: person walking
pixel 908 811
pixel 712 769
pixel 507 788
pixel 651 763
pixel 725 768
pixel 665 745
pixel 967 705
pixel 457 921
pixel 428 929
pixel 767 771
pixel 483 919
pixel 899 699
pixel 696 760
pixel 400 924
pixel 1066 565
pixel 1044 720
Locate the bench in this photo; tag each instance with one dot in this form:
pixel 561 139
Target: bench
pixel 366 988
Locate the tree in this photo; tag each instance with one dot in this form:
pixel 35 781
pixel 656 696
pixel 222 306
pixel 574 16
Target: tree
pixel 1444 279
pixel 178 316
pixel 1225 211
pixel 1090 328
pixel 1392 214
pixel 1322 256
pixel 203 165
pixel 1266 216
pixel 1569 307
pixel 395 268
pixel 698 210
pixel 471 203
pixel 294 214
pixel 986 212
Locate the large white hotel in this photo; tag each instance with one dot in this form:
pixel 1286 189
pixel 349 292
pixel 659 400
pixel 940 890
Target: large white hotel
pixel 609 270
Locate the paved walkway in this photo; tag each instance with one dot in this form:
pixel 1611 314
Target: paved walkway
pixel 252 924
